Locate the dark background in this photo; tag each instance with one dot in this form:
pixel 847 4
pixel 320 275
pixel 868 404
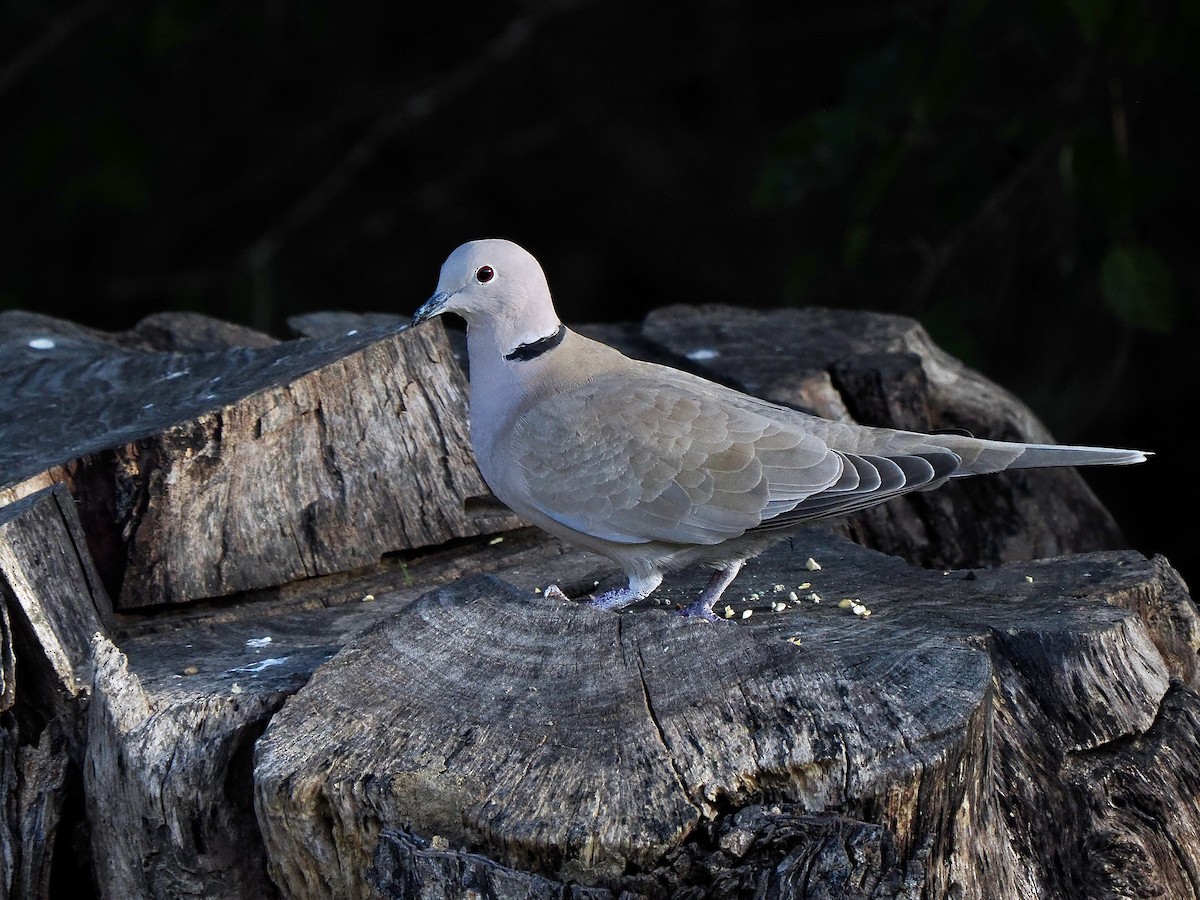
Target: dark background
pixel 1016 175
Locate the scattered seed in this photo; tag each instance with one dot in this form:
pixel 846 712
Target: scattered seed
pixel 729 612
pixel 812 565
pixel 368 598
pixel 235 688
pixel 747 613
pixel 1029 578
pixel 779 588
pixel 814 597
pixel 795 639
pixel 496 540
pixel 803 587
pixel 792 596
pixel 845 604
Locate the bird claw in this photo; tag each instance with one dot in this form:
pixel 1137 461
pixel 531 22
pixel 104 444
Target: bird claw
pixel 700 610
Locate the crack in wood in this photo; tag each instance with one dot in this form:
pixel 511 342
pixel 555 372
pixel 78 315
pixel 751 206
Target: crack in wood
pixel 668 753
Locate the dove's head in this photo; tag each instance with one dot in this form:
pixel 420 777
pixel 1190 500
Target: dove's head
pixel 498 288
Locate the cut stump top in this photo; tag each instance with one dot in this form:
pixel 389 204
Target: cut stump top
pixel 581 744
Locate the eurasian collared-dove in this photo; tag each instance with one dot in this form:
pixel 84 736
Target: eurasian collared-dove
pixel 656 468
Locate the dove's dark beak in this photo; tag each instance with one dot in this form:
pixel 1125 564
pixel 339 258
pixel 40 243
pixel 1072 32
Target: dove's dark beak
pixel 434 306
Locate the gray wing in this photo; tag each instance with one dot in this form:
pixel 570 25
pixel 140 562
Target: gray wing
pixel 631 460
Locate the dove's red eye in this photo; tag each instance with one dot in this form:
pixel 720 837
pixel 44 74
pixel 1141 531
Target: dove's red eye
pixel 484 274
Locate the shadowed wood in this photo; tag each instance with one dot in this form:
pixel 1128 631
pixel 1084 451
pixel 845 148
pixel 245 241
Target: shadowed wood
pixel 53 605
pixel 332 323
pixel 50 583
pixel 8 662
pixel 580 745
pixel 47 783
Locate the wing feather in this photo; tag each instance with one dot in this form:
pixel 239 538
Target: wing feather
pixel 636 459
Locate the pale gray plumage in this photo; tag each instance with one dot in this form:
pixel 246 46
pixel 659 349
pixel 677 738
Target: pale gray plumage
pixel 657 468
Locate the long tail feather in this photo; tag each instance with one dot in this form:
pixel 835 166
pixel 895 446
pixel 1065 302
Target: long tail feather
pixel 981 457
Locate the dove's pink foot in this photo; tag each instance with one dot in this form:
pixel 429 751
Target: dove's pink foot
pixel 702 606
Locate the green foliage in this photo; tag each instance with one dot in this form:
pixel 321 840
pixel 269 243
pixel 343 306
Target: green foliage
pixel 1007 169
pixel 1093 17
pixel 1138 288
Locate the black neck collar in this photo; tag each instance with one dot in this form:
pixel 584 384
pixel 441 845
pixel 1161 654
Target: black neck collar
pixel 534 349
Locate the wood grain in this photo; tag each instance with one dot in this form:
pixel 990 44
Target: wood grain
pixel 53 605
pixel 51 585
pixel 180 697
pixel 206 472
pixel 582 746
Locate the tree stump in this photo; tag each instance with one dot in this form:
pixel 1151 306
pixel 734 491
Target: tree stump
pixel 329 671
pixel 957 722
pixel 210 471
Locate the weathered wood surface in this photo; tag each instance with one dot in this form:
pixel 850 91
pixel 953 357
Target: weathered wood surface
pixel 979 735
pixel 52 587
pixel 176 711
pixel 957 724
pixel 202 472
pixel 53 605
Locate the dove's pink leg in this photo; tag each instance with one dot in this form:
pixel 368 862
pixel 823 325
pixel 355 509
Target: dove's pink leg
pixel 721 579
pixel 639 589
